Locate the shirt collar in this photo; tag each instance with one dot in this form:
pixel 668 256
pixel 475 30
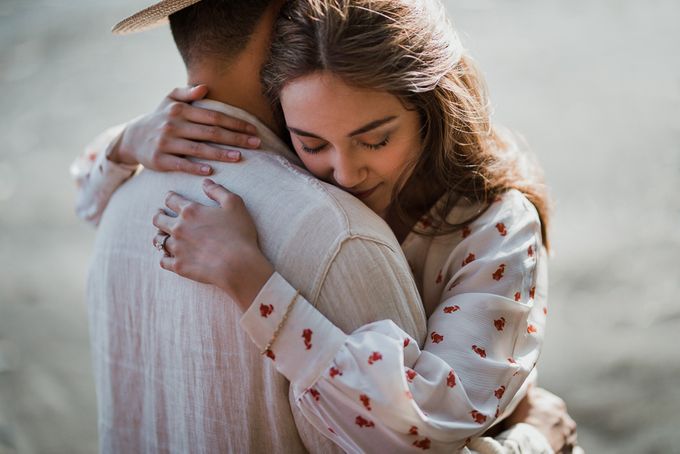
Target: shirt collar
pixel 271 143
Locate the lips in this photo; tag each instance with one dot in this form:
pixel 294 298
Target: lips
pixel 365 194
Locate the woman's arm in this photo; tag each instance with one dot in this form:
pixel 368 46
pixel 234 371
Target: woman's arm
pixel 161 140
pixel 376 389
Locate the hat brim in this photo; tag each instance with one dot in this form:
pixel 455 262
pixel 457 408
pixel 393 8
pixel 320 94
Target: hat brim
pixel 150 17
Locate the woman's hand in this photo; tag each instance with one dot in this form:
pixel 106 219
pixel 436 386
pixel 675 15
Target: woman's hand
pixel 213 245
pixel 548 413
pixel 163 139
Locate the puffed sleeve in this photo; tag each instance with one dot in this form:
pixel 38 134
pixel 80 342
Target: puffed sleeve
pixel 376 389
pixel 96 177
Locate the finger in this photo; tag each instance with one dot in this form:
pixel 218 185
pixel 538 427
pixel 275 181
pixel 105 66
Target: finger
pixel 217 192
pixel 160 242
pixel 203 116
pixel 163 222
pixel 177 202
pixel 215 134
pixel 169 263
pixel 170 246
pixel 158 238
pixel 189 93
pixel 171 163
pixel 201 150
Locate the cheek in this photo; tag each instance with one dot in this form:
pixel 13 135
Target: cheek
pixel 316 165
pixel 403 160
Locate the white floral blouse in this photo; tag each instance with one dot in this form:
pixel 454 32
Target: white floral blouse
pixel 484 290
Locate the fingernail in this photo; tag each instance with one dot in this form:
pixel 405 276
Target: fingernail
pixel 233 154
pixel 254 141
pixel 205 169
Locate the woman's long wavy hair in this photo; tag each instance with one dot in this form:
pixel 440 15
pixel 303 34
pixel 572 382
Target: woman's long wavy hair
pixel 409 49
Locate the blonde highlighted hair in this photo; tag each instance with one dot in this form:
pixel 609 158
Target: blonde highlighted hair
pixel 409 49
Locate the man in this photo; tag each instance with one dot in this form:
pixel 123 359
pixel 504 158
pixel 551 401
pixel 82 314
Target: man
pixel 173 370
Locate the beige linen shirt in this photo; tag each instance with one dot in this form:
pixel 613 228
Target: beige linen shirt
pixel 173 370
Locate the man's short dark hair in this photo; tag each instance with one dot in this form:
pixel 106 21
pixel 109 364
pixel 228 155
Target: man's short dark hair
pixel 217 29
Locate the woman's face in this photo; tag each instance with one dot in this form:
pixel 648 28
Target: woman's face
pixel 359 140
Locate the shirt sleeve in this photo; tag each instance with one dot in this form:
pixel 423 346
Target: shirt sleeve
pixel 376 389
pixel 96 177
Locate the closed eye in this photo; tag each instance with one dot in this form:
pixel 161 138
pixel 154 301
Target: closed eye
pixel 375 146
pixel 309 150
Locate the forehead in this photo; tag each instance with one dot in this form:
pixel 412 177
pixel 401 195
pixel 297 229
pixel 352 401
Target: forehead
pixel 322 101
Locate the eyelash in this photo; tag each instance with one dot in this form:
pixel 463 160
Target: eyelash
pixel 370 146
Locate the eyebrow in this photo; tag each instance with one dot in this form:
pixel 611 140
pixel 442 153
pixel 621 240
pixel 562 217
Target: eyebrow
pixel 368 127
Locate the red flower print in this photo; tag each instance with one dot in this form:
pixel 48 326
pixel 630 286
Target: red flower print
pixel 375 356
pixel 307 336
pixel 498 274
pixel 331 431
pixel 479 350
pixel 426 222
pixel 270 354
pixel 334 371
pixel 410 375
pixel 469 259
pixel 436 337
pixel 266 311
pixel 451 380
pixel 499 392
pixel 498 411
pixel 315 394
pixel 530 251
pixel 532 292
pixel 422 444
pixel 531 329
pixel 545 311
pixel 406 342
pixel 453 284
pixel 512 361
pixel 479 418
pixel 518 296
pixel 439 278
pixel 501 229
pixel 362 422
pixel 413 430
pixel 466 231
pixel 499 324
pixel 366 401
pixel 451 309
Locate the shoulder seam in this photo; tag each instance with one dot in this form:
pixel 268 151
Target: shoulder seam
pixel 338 247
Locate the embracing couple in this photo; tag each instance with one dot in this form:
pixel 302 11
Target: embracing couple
pixel 365 268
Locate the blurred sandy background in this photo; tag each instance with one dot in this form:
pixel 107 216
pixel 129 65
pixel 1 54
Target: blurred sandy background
pixel 593 85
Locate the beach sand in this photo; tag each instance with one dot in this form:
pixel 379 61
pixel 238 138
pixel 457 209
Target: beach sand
pixel 594 87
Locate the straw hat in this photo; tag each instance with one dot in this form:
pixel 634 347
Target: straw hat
pixel 150 17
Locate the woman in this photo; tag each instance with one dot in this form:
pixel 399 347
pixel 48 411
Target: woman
pixel 469 213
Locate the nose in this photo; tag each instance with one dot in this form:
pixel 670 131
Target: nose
pixel 348 169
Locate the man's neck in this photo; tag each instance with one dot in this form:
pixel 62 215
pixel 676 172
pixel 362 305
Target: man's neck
pixel 238 82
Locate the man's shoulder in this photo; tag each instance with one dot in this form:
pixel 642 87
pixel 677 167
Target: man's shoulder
pixel 268 179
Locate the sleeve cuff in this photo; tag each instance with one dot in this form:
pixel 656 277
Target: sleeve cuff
pixel 99 181
pixel 306 343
